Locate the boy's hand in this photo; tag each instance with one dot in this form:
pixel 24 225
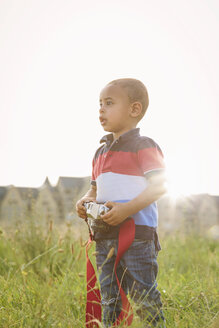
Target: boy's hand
pixel 117 213
pixel 80 206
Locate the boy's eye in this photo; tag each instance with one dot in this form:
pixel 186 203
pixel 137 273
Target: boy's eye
pixel 109 102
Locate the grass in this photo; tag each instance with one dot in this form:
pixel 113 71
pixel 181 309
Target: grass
pixel 42 278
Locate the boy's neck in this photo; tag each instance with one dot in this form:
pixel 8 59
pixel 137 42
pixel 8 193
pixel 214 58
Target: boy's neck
pixel 116 135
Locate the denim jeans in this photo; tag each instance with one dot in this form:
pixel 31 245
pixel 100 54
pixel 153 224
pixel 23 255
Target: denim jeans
pixel 137 271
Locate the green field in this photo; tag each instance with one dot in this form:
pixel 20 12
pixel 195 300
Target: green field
pixel 42 278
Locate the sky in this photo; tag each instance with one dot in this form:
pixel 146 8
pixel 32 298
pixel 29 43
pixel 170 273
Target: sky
pixel 55 58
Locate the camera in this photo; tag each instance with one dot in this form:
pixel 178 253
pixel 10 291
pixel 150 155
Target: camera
pixel 94 212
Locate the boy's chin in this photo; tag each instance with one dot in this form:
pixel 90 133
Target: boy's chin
pixel 107 129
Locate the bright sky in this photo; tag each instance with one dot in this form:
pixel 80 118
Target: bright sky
pixel 56 56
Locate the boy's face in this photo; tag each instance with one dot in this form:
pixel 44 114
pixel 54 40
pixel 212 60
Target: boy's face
pixel 115 110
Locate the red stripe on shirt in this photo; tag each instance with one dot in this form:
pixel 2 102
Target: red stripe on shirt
pixel 129 163
pixel 150 159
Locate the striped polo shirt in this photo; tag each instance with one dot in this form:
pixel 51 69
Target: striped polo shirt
pixel 120 169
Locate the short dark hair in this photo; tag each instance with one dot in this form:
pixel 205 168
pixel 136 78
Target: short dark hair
pixel 136 91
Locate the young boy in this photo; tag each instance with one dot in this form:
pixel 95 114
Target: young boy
pixel 128 177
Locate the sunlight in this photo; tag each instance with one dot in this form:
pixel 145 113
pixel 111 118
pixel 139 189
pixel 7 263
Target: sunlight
pixel 181 178
pixel 175 190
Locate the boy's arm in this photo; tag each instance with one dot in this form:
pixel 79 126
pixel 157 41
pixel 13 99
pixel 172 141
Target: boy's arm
pixel 90 196
pixel 120 211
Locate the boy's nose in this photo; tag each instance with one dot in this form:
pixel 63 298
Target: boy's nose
pixel 101 109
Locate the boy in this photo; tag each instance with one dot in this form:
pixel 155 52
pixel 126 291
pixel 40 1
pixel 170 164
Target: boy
pixel 128 177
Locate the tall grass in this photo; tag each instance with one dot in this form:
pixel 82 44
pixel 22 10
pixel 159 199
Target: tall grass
pixel 42 278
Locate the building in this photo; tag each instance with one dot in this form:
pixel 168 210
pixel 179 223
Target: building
pixel 195 213
pixel 48 202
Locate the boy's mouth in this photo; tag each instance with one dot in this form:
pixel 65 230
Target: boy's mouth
pixel 102 121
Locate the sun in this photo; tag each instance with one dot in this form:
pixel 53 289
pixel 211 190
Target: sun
pixel 181 177
pixel 176 189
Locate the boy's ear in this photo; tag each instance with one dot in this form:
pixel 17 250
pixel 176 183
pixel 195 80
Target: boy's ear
pixel 136 109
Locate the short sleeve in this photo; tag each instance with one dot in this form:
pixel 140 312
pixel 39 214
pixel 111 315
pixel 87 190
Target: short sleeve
pixel 93 178
pixel 150 156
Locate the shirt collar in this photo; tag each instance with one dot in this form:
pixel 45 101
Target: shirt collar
pixel 108 138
